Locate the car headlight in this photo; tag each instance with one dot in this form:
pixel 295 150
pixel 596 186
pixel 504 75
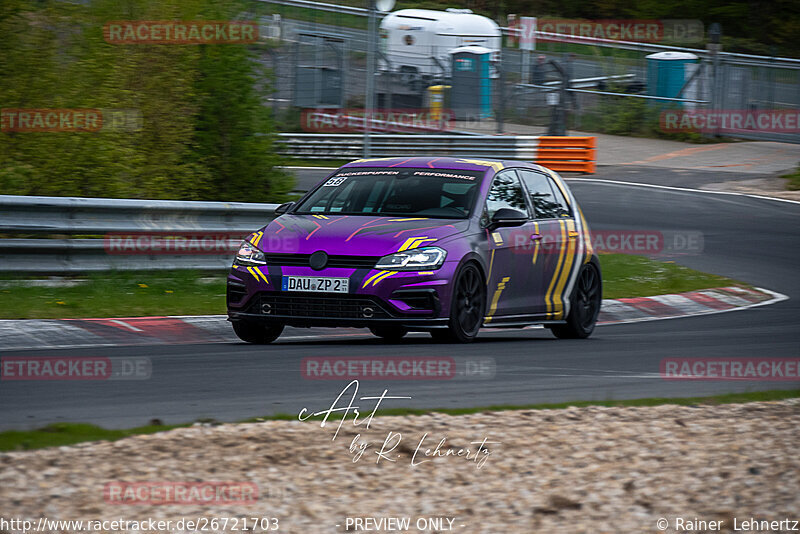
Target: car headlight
pixel 413 260
pixel 249 255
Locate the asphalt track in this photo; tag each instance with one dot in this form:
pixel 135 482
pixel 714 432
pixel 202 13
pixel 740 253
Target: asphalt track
pixel 750 239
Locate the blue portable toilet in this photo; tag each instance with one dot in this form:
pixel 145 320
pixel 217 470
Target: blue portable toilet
pixel 471 91
pixel 667 72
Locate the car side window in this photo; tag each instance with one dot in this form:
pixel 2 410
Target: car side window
pixel 564 211
pixel 547 200
pixel 506 192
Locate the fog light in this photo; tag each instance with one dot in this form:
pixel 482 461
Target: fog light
pixel 367 311
pixel 266 308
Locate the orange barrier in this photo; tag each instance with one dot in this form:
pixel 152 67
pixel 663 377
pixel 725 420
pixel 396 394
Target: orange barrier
pixel 567 154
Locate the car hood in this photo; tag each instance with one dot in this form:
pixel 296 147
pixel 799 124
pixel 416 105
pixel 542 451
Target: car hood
pixel 353 235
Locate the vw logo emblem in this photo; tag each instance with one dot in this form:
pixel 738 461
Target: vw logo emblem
pixel 318 260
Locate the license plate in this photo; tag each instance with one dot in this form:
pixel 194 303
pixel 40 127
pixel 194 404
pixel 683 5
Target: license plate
pixel 316 284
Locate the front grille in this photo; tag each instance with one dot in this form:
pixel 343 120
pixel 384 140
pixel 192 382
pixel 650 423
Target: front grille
pixel 301 260
pixel 327 306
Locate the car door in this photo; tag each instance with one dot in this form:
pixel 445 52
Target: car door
pixel 509 262
pixel 555 254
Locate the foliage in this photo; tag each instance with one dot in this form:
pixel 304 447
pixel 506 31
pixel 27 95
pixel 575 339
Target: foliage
pixel 199 106
pixel 793 183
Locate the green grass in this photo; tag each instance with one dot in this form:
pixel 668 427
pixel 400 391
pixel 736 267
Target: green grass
pixel 626 275
pixel 794 180
pixel 60 434
pixel 118 294
pixel 134 294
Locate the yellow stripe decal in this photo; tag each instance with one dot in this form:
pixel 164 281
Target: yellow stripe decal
pixel 381 278
pixel 407 244
pixel 587 238
pixel 373 277
pixel 421 241
pixel 491 263
pixel 414 242
pixel 261 274
pixel 496 297
pixel 250 270
pixel 257 238
pixel 565 272
pixel 496 165
pixel 536 244
pixel 548 297
pixel 409 219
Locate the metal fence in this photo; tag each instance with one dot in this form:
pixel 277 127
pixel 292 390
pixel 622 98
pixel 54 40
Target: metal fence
pixel 611 102
pixel 53 235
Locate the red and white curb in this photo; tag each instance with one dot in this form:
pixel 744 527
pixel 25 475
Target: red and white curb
pixel 108 332
pixel 675 305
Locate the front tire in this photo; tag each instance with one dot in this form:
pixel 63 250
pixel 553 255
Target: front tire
pixel 466 308
pixel 257 333
pixel 587 295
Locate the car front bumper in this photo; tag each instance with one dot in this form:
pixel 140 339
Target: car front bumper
pixel 418 300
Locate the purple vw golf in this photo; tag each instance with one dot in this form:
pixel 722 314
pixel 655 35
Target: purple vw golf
pixel 442 245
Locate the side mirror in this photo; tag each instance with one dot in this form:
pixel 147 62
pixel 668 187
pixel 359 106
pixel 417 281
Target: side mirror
pixel 283 208
pixel 508 217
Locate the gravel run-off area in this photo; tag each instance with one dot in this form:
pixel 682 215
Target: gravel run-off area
pixel 574 470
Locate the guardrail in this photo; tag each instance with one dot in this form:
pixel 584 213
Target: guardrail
pixel 53 235
pixel 351 146
pixel 57 235
pixel 562 154
pixel 567 154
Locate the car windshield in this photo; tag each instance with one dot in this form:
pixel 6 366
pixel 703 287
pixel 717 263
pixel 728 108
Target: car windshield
pixel 435 193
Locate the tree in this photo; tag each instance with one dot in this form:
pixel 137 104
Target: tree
pixel 200 113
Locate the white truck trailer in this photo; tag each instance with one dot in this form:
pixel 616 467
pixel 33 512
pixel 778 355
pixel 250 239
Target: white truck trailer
pixel 416 42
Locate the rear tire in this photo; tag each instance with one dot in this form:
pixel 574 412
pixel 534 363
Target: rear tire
pixel 392 334
pixel 257 333
pixel 466 308
pixel 587 295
